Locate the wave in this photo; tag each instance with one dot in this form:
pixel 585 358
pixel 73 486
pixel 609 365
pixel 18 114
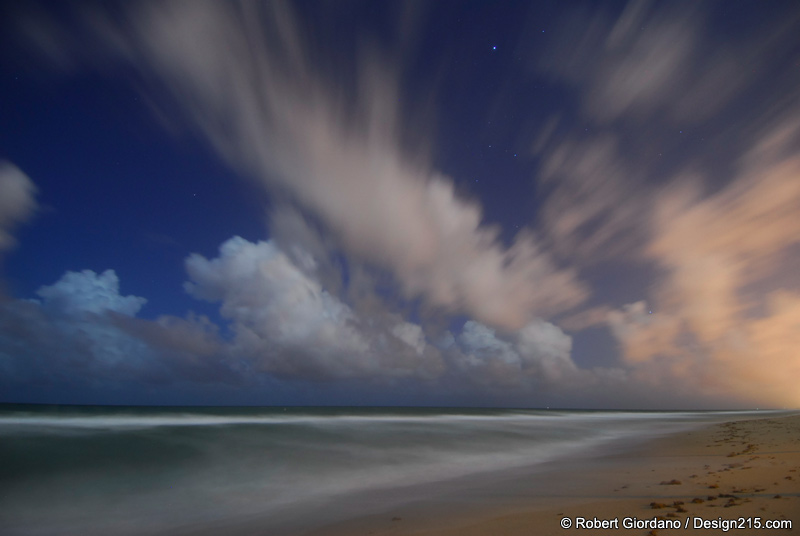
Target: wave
pixel 195 419
pixel 157 469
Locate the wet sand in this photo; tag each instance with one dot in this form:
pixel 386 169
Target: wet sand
pixel 746 471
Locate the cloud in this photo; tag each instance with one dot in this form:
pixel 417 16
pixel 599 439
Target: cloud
pixel 84 292
pixel 274 306
pixel 282 325
pixel 17 202
pixel 631 71
pixel 546 348
pixel 83 337
pixel 717 322
pixel 666 61
pixel 712 216
pixel 712 220
pixel 537 356
pixel 412 335
pixel 592 193
pixel 284 329
pixel 663 93
pixel 643 334
pixel 249 79
pixel 290 326
pixel 71 334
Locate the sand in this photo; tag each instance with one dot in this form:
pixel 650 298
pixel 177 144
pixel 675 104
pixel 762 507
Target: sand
pixel 747 470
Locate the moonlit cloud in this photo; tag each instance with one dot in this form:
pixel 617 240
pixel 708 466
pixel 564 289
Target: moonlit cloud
pixel 79 293
pixel 283 324
pixel 70 335
pixel 534 356
pixel 666 211
pixel 17 202
pixel 290 326
pixel 243 75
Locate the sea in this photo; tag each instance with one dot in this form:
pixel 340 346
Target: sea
pixel 279 470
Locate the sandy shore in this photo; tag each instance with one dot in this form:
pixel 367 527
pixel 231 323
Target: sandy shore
pixel 740 470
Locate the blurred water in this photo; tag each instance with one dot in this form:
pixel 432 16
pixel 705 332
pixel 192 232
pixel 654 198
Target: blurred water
pixel 93 470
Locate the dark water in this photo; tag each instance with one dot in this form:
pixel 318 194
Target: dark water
pixel 125 470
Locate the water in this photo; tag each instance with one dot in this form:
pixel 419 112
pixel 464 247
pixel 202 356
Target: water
pixel 126 470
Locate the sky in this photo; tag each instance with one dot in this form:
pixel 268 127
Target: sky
pixel 525 204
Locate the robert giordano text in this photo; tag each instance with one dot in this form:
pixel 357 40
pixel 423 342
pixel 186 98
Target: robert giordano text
pixel 695 522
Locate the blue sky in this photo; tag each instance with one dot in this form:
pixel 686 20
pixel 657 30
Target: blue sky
pixel 525 204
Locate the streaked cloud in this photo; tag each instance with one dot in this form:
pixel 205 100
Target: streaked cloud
pixel 659 60
pixel 713 222
pixel 715 219
pixel 244 76
pixel 713 248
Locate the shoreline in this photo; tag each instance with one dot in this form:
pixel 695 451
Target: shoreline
pixel 736 469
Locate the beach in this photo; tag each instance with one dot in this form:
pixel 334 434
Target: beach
pixel 399 268
pixel 316 471
pixel 735 477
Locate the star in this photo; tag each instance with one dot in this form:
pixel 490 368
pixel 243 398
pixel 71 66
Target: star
pixel 494 48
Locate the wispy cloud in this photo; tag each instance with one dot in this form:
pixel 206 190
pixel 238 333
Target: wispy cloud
pixel 248 79
pixel 715 222
pixel 713 248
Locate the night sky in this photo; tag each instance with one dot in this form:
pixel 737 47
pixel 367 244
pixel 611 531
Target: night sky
pixel 566 204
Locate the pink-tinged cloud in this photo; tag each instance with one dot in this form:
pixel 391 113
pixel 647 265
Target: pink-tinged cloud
pixel 708 329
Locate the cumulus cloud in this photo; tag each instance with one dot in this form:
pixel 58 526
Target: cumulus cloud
pixel 247 78
pixel 17 201
pixel 83 335
pixel 291 326
pixel 87 292
pixel 411 334
pixel 274 306
pixel 71 333
pixel 714 219
pixel 282 324
pixel 538 356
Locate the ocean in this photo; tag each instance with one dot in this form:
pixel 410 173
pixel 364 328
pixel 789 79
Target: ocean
pixel 192 470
